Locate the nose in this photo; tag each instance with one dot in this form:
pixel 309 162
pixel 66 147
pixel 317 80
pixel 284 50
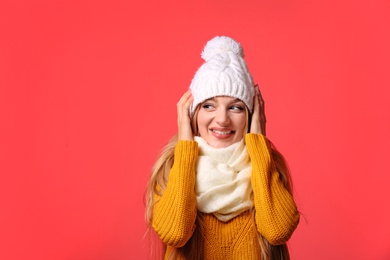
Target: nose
pixel 222 117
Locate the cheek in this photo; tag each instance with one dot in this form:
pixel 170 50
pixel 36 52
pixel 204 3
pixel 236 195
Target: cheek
pixel 241 122
pixel 202 126
pixel 201 121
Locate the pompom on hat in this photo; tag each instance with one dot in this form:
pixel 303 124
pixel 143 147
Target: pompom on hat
pixel 224 73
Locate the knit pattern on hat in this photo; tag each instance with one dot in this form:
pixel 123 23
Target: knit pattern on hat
pixel 224 73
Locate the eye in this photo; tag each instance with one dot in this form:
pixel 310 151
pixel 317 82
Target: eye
pixel 207 106
pixel 237 108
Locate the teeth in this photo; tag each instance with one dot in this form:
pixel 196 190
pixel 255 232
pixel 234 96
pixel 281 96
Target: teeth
pixel 221 132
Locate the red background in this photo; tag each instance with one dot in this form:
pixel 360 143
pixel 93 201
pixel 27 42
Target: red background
pixel 88 93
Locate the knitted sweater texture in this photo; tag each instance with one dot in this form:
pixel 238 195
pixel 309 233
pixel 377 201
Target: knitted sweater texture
pixel 175 214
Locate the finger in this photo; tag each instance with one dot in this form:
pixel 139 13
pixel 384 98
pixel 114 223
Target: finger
pixel 189 100
pixel 183 110
pixel 183 107
pixel 261 100
pixel 184 103
pixel 256 107
pixel 187 105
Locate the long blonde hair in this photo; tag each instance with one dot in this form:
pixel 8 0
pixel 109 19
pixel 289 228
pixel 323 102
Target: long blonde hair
pixel 159 178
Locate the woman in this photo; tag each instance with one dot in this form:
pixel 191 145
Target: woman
pixel 220 190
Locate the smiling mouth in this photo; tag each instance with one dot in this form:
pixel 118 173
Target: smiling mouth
pixel 222 132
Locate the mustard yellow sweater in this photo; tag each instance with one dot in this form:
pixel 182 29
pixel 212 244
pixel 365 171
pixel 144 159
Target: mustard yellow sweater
pixel 275 217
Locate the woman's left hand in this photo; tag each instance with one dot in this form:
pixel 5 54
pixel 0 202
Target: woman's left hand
pixel 258 115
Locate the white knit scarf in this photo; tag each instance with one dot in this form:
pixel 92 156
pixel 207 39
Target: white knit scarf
pixel 223 180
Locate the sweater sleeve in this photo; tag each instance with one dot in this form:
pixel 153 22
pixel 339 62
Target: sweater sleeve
pixel 276 213
pixel 175 211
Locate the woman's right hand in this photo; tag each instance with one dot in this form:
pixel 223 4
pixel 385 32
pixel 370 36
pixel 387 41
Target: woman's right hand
pixel 183 117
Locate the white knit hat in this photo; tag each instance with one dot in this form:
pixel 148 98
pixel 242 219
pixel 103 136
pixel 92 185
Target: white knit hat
pixel 224 73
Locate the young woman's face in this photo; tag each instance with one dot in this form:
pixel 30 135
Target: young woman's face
pixel 222 121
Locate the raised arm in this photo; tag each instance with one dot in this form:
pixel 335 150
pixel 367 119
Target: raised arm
pixel 276 212
pixel 175 212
